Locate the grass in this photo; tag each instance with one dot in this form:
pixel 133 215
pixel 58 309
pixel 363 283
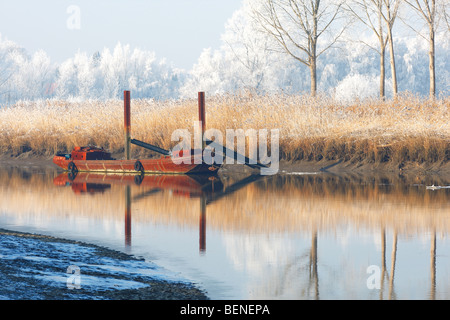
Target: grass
pixel 406 129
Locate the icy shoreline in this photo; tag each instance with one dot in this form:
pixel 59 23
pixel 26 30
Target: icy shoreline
pixel 36 267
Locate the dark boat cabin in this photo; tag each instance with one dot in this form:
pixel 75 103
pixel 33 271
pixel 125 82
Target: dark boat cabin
pixel 90 153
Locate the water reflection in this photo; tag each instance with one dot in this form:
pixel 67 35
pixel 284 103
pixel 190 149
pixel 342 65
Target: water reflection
pixel 279 237
pixel 206 188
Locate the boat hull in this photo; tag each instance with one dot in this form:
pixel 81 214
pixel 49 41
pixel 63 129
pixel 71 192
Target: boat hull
pixel 161 165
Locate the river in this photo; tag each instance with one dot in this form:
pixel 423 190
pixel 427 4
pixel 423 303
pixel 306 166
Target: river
pixel 294 235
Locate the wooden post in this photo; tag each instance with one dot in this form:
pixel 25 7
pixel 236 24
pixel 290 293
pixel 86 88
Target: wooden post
pixel 128 216
pixel 126 99
pixel 202 226
pixel 201 115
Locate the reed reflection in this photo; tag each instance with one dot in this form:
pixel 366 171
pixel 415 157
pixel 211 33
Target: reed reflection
pixel 248 211
pixel 278 203
pixel 207 188
pixel 190 186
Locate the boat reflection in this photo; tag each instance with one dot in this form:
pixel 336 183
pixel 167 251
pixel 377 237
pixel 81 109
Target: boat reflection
pixel 207 188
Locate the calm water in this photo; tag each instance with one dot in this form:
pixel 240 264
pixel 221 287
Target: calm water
pixel 290 236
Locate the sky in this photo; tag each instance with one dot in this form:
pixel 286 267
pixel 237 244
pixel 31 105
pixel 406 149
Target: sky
pixel 177 30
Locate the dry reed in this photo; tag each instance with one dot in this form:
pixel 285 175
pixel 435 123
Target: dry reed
pixel 408 128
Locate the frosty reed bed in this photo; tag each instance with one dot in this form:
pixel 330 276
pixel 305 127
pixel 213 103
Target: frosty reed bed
pixel 408 128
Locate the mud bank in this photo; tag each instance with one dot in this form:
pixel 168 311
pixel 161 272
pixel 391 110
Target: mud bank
pixel 35 267
pixel 363 167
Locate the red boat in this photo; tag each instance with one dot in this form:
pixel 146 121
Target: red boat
pixel 93 159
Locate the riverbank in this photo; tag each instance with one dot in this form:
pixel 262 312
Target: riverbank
pixel 38 267
pixel 441 168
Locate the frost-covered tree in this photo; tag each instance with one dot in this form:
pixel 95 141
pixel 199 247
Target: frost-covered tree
pixel 139 71
pixel 24 76
pixel 304 29
pixel 349 71
pixel 108 73
pixel 245 60
pixel 388 11
pixel 77 77
pixel 207 75
pixel 248 58
pixel 8 50
pixel 428 12
pixel 242 61
pixel 34 76
pixel 250 48
pixel 102 75
pixel 368 13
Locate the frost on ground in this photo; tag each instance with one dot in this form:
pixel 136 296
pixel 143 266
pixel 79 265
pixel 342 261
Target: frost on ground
pixel 34 267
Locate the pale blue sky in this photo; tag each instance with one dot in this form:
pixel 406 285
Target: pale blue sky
pixel 175 29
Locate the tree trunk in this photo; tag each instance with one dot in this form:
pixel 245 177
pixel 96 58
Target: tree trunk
pixel 392 60
pixel 393 258
pixel 432 65
pixel 433 266
pixel 313 274
pixel 382 53
pixel 382 71
pixel 313 71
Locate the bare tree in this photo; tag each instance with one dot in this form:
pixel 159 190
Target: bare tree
pixel 388 11
pixel 446 15
pixel 426 9
pixel 368 12
pixel 249 47
pixel 7 69
pixel 297 26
